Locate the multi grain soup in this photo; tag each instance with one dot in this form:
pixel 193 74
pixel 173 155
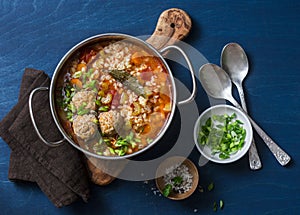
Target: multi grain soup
pixel 115 97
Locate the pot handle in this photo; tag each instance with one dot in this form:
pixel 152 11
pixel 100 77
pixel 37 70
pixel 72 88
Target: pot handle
pixel 193 94
pixel 52 144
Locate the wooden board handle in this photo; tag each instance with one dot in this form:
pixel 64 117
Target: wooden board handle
pixel 173 24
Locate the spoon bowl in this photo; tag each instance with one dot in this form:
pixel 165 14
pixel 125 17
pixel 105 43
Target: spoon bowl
pixel 234 60
pixel 215 81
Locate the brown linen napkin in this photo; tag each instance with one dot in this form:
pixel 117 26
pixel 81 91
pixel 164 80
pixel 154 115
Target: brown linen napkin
pixel 58 171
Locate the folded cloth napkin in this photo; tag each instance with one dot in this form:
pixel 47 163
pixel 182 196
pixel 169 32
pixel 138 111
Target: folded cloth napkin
pixel 58 171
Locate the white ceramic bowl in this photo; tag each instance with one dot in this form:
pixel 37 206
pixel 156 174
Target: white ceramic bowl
pixel 205 150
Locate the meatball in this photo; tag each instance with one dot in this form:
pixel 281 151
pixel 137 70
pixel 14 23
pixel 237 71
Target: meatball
pixel 108 121
pixel 86 98
pixel 85 127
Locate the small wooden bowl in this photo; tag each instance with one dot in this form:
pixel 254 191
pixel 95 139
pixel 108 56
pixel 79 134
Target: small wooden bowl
pixel 161 170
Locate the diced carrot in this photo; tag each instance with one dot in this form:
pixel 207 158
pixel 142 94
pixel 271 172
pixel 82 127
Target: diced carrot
pixel 81 66
pixel 147 129
pixel 161 77
pixel 161 106
pixel 165 89
pixel 167 107
pixel 76 82
pixel 105 86
pixel 153 62
pixel 164 97
pixel 139 57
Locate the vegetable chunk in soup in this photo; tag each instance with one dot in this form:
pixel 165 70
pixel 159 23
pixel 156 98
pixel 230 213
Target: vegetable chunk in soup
pixel 115 98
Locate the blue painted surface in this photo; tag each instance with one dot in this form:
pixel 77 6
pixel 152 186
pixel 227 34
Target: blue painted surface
pixel 38 33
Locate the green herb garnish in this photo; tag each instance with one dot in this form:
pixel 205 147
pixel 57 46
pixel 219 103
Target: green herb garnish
pixel 90 85
pixel 77 74
pixel 215 206
pixel 98 102
pixel 167 190
pixel 121 142
pixel 211 186
pixel 177 180
pixel 221 204
pixel 111 150
pixel 103 108
pixel 224 134
pixel 81 110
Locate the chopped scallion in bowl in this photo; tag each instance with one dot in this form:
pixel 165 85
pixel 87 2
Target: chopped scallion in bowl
pixel 223 134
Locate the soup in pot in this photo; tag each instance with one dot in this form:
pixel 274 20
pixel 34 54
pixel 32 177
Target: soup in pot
pixel 114 98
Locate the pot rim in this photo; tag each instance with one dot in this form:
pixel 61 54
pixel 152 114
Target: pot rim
pixel 66 57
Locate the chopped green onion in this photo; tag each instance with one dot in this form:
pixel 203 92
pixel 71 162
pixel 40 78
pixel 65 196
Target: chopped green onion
pixel 98 102
pixel 96 121
pixel 129 137
pixel 223 133
pixel 133 144
pixel 103 108
pixel 215 206
pixel 77 74
pixel 90 84
pixel 120 152
pixel 138 140
pixel 111 150
pixel 69 115
pixel 149 140
pixel 89 73
pixel 106 141
pixel 211 186
pixel 221 204
pixel 200 188
pixel 121 142
pixel 81 110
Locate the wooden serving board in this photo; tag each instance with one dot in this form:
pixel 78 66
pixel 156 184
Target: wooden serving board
pixel 173 25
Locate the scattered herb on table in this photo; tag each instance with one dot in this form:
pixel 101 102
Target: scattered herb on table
pixel 211 186
pixel 200 188
pixel 224 134
pixel 221 204
pixel 215 206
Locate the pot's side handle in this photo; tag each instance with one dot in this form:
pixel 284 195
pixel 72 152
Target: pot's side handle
pixel 53 144
pixel 173 24
pixel 191 69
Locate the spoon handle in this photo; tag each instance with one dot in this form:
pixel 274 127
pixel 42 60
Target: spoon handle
pixel 254 160
pixel 281 156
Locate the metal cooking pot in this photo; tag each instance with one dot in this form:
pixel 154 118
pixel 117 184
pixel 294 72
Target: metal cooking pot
pixel 88 42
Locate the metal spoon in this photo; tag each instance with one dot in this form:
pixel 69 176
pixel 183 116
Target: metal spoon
pixel 235 63
pixel 217 84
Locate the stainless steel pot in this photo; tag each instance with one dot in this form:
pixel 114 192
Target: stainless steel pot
pixel 85 43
